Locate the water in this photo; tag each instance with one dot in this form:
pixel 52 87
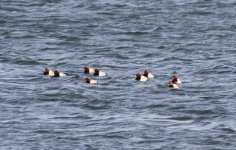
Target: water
pixel 194 38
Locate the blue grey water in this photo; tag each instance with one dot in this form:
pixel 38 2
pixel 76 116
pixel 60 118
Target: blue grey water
pixel 194 38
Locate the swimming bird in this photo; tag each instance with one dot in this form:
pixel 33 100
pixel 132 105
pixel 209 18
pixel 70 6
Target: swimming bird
pixel 176 80
pixel 58 74
pixel 173 85
pixel 99 73
pixel 148 74
pixel 88 70
pixel 140 77
pixel 90 80
pixel 48 72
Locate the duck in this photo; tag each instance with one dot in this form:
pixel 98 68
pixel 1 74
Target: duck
pixel 173 85
pixel 140 77
pixel 176 80
pixel 58 74
pixel 100 73
pixel 148 74
pixel 90 80
pixel 48 72
pixel 88 70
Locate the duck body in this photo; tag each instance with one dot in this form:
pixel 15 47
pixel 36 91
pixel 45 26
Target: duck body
pixel 173 85
pixel 140 77
pixel 100 73
pixel 58 74
pixel 61 74
pixel 48 72
pixel 148 74
pixel 88 70
pixel 176 80
pixel 91 81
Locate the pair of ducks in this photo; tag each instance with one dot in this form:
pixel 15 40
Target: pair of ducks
pixel 174 82
pixel 144 77
pixel 51 73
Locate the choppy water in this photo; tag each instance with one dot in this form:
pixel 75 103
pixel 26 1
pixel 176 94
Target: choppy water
pixel 194 38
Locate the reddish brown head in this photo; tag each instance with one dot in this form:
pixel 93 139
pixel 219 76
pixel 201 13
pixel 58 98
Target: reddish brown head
pixel 175 79
pixel 96 72
pixel 46 71
pixel 86 70
pixel 138 76
pixel 87 80
pixel 145 73
pixel 170 84
pixel 56 73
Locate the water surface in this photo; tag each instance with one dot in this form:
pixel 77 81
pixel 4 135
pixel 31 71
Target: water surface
pixel 195 39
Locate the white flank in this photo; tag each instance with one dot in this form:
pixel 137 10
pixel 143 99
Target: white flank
pixel 91 70
pixel 102 74
pixel 175 86
pixel 150 75
pixel 93 81
pixel 50 73
pixel 179 81
pixel 61 74
pixel 143 78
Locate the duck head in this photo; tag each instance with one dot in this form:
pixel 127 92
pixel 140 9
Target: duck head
pixel 138 76
pixel 87 80
pixel 46 71
pixel 56 73
pixel 145 73
pixel 86 70
pixel 96 72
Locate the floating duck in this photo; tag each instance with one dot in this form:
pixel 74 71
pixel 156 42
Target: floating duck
pixel 176 80
pixel 58 74
pixel 140 77
pixel 88 70
pixel 148 74
pixel 173 85
pixel 48 72
pixel 91 81
pixel 99 73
